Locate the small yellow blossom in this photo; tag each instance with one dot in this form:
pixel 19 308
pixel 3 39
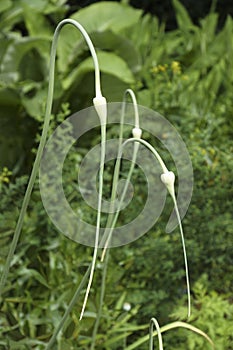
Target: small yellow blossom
pixel 176 68
pixel 162 68
pixel 185 77
pixel 154 70
pixel 159 68
pixel 4 176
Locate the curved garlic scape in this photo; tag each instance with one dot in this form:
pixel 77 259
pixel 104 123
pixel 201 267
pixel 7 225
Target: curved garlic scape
pixel 112 217
pixel 168 178
pixel 101 108
pixel 154 322
pixel 136 132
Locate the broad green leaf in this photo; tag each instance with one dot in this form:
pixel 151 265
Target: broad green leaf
pixel 4 43
pixel 5 5
pixel 109 64
pixel 10 18
pixel 82 93
pixel 16 51
pixel 35 106
pixel 118 44
pixel 36 23
pixel 100 17
pixel 45 7
pixel 36 5
pixel 113 42
pixel 107 15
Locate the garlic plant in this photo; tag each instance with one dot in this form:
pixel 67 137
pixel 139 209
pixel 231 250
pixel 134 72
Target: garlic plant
pixel 113 216
pixel 101 109
pixel 111 222
pixel 167 178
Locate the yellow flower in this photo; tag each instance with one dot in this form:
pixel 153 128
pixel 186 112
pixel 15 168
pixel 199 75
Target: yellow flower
pixel 159 68
pixel 154 70
pixel 4 176
pixel 176 68
pixel 185 77
pixel 162 68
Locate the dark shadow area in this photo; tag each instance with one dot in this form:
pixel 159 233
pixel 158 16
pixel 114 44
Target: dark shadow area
pixel 197 9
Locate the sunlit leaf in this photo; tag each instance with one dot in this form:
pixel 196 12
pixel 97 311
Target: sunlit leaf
pixel 109 64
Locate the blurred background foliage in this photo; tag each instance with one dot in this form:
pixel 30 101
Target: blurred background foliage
pixel 179 63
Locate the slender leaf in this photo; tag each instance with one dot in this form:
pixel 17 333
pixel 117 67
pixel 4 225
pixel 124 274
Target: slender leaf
pixel 183 19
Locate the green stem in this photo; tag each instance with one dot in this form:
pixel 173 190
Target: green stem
pixel 113 196
pixel 154 322
pixel 102 293
pixel 100 194
pixel 168 327
pixel 44 136
pixel 172 193
pixel 90 271
pixel 111 222
pixel 118 162
pixel 135 105
pixel 117 167
pixel 106 251
pixel 34 170
pixel 185 256
pixel 151 148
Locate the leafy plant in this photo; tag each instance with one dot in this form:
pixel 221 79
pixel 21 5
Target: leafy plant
pixel 185 74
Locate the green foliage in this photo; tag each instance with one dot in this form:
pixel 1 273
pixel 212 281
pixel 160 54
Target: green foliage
pixel 211 313
pixel 25 39
pixel 185 74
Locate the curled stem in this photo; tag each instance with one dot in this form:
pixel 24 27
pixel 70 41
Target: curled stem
pixel 168 327
pixel 117 168
pixel 112 219
pixel 170 187
pixel 154 322
pixel 41 146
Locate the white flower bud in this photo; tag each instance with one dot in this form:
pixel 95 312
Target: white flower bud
pixel 137 133
pixel 168 179
pixel 126 306
pixel 100 104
